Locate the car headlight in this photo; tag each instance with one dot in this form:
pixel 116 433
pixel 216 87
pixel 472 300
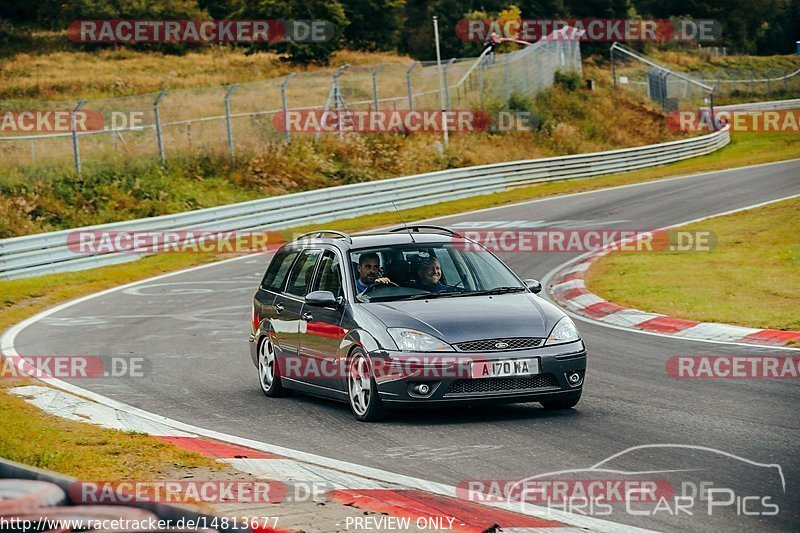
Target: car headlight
pixel 564 331
pixel 411 340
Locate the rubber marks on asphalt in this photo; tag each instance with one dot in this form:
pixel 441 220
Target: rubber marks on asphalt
pixel 569 290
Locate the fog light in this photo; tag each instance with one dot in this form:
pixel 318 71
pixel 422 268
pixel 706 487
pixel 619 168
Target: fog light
pixel 422 389
pixel 574 378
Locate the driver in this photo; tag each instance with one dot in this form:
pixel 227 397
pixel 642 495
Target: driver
pixel 369 268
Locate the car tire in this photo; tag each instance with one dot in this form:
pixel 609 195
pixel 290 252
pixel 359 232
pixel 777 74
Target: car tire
pixel 269 373
pixel 561 403
pixel 362 390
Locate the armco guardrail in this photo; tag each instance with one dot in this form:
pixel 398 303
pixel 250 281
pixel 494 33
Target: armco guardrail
pixel 775 105
pixel 164 511
pixel 48 252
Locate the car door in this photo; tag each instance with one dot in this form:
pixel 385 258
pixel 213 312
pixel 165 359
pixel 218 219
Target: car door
pixel 272 285
pixel 288 307
pixel 321 330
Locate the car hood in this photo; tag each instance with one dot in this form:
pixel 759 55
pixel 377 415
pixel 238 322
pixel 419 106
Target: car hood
pixel 466 318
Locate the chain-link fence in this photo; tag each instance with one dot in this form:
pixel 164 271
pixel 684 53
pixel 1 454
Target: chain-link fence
pixel 770 83
pixel 670 89
pixel 244 118
pixel 674 90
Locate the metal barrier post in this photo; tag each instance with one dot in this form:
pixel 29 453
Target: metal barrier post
pixel 228 117
pixel 480 80
pixel 408 85
pixel 447 85
pixel 711 109
pixel 506 79
pixel 75 150
pixel 613 67
pixel 375 73
pixel 285 111
pixel 337 97
pixel 157 119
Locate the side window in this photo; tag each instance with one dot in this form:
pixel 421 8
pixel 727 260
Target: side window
pixel 275 278
pixel 300 278
pixel 330 274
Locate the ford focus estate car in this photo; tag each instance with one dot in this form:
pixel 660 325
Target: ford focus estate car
pixel 415 316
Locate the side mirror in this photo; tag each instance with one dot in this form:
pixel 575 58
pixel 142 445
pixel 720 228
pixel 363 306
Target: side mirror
pixel 533 285
pixel 322 299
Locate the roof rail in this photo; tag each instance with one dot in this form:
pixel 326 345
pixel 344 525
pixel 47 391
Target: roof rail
pixel 417 227
pixel 318 235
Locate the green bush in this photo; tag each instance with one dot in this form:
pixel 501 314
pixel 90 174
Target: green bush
pixel 571 81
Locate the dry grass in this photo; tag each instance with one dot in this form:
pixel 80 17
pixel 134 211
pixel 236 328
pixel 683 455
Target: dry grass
pixel 690 62
pixel 36 198
pixel 751 278
pixel 69 74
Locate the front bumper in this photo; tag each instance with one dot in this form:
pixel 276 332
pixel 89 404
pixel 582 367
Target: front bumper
pixel 452 383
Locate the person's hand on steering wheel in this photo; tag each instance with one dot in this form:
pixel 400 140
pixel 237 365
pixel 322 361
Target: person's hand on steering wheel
pixel 379 282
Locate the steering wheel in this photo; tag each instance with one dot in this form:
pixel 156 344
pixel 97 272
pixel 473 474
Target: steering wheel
pixel 376 284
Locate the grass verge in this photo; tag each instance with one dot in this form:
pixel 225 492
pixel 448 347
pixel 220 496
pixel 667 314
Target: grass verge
pixel 91 452
pixel 751 278
pixel 33 437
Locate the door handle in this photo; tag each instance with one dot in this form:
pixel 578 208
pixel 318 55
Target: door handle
pixel 278 307
pixel 307 317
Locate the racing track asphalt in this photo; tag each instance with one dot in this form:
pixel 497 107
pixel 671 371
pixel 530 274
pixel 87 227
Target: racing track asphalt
pixel 193 327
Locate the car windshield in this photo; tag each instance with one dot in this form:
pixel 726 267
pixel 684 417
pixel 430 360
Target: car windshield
pixel 422 271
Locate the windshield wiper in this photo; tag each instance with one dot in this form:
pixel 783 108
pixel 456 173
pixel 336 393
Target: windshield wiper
pixel 432 295
pixel 501 290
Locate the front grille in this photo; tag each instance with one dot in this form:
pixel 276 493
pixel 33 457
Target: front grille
pixel 490 345
pixel 490 385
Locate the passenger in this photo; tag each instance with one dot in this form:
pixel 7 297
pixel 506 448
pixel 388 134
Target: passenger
pixel 369 268
pixel 430 274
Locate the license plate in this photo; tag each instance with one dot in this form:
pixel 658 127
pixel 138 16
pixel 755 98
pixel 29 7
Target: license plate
pixel 506 368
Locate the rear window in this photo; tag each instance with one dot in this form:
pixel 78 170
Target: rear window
pixel 275 278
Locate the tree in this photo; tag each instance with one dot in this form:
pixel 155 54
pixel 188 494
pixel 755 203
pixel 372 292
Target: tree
pixel 299 52
pixel 57 14
pixel 218 9
pixel 373 24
